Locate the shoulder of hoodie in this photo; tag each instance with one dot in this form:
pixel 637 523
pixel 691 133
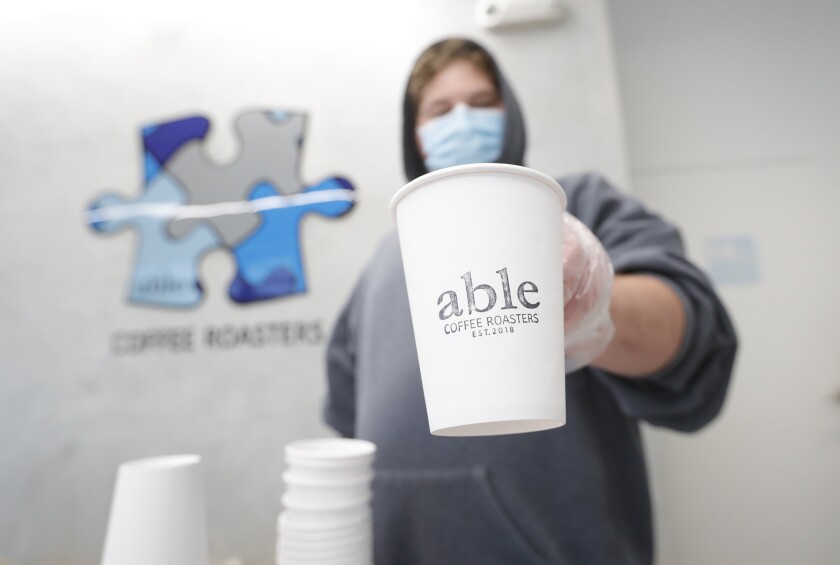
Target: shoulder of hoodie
pixel 588 188
pixel 591 197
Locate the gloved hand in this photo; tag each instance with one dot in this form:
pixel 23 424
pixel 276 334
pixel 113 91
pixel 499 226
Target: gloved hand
pixel 587 286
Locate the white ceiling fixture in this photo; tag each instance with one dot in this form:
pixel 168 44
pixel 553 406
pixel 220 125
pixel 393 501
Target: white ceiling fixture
pixel 500 14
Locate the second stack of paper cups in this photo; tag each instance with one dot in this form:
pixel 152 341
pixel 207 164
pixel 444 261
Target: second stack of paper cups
pixel 327 513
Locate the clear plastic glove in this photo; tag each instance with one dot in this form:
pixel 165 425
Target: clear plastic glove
pixel 587 286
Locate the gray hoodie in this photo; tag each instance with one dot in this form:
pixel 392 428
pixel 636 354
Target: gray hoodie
pixel 572 495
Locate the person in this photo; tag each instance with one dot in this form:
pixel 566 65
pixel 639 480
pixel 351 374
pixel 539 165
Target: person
pixel 651 342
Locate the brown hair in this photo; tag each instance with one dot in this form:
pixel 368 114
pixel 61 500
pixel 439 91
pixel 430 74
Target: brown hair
pixel 439 55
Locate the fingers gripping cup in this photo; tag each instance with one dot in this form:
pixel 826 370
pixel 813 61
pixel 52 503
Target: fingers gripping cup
pixel 482 249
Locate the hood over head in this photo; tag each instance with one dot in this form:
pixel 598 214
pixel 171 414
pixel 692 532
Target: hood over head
pixel 513 150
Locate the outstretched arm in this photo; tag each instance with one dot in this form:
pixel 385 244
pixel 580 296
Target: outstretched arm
pixel 649 320
pixel 670 326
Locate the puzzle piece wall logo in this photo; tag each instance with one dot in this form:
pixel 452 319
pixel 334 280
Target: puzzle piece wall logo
pixel 189 206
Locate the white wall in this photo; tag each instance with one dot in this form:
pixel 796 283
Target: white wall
pixel 78 80
pixel 733 129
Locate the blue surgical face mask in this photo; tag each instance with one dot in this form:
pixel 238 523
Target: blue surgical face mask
pixel 462 136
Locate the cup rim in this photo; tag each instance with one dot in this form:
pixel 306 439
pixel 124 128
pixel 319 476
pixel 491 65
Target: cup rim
pixel 290 503
pixel 328 534
pixel 286 522
pixel 362 535
pixel 336 465
pixel 473 169
pixel 162 462
pixel 291 477
pixel 314 557
pixel 319 449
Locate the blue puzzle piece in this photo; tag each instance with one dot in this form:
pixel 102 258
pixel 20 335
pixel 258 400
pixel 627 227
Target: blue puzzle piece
pixel 161 141
pixel 269 263
pixel 165 269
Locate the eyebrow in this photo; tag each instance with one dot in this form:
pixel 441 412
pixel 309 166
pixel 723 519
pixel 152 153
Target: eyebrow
pixel 437 103
pixel 491 92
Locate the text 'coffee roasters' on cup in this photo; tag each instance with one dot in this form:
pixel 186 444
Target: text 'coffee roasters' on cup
pixel 482 249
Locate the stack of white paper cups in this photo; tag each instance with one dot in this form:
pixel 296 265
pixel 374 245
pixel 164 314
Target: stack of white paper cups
pixel 327 514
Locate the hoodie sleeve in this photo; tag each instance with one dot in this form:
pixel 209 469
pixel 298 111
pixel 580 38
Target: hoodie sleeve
pixel 340 403
pixel 689 392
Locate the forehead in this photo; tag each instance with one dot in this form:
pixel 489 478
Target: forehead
pixel 457 80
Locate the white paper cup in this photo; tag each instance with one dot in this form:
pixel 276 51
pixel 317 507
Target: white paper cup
pixel 326 505
pixel 361 559
pixel 325 516
pixel 325 537
pixel 356 555
pixel 298 498
pixel 157 513
pixel 290 523
pixel 294 473
pixel 328 536
pixel 355 541
pixel 329 473
pixel 330 453
pixel 305 490
pixel 482 249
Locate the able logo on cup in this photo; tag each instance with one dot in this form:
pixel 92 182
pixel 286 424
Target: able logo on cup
pixel 484 321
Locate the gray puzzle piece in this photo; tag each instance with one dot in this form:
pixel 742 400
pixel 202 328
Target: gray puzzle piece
pixel 270 151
